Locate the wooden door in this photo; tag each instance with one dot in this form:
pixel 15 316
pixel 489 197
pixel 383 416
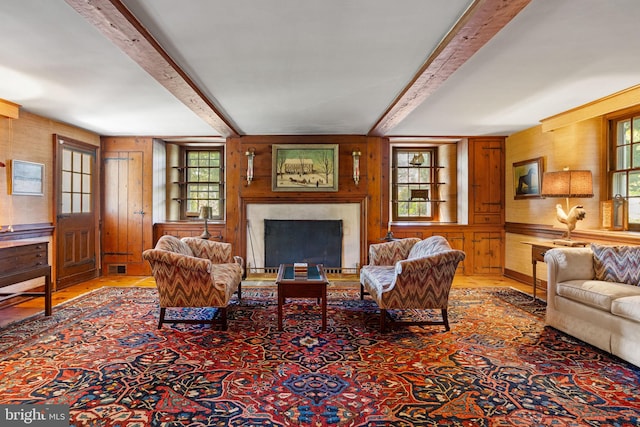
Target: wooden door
pixel 124 213
pixel 76 213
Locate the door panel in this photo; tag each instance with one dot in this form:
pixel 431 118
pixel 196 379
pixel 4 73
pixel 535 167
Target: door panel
pixel 76 218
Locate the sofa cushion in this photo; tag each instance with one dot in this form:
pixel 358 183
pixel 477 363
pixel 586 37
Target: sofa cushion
pixel 627 307
pixel 596 293
pixel 429 246
pixel 617 263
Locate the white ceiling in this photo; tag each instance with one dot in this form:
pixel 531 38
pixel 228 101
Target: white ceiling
pixel 291 67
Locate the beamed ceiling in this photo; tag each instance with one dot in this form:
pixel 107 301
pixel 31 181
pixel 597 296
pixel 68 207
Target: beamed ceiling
pixel 205 69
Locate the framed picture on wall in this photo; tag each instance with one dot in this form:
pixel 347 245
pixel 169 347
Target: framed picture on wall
pixel 527 178
pixel 27 178
pixel 304 167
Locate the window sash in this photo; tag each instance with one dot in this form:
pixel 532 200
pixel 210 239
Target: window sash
pixel 413 185
pixel 204 186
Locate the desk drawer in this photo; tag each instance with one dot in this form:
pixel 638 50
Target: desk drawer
pixel 23 258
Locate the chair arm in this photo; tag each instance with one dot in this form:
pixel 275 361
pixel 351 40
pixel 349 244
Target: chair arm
pixel 440 260
pixel 239 260
pixel 423 282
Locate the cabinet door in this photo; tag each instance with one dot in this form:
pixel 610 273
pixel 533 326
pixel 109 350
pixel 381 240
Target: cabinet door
pixel 487 181
pixel 487 253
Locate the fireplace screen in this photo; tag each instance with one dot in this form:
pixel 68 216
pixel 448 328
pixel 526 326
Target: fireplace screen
pixel 311 241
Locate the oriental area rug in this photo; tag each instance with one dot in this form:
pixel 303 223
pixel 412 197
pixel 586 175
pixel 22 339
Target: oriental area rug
pixel 103 356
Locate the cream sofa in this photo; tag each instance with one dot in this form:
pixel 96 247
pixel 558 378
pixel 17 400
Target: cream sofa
pixel 593 295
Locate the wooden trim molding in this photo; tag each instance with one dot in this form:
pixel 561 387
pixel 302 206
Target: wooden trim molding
pixel 624 99
pixel 26 231
pixel 596 236
pixel 9 109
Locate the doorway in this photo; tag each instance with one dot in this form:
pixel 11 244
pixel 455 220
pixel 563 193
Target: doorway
pixel 75 211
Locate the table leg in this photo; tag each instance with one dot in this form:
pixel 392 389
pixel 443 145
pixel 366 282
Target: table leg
pixel 535 281
pixel 280 303
pixel 324 308
pixel 47 294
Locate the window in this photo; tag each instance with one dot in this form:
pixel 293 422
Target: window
pixel 76 181
pixel 625 165
pixel 204 186
pixel 414 186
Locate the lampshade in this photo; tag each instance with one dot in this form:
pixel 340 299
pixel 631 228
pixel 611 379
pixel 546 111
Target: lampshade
pixel 205 212
pixel 567 183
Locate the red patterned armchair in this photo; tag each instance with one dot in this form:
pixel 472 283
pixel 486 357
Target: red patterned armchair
pixel 411 274
pixel 193 272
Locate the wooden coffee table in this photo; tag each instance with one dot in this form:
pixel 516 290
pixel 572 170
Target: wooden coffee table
pixel 314 285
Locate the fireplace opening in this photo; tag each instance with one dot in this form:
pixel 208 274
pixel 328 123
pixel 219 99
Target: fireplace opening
pixel 311 241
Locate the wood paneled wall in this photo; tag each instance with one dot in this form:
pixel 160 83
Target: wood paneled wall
pixel 368 192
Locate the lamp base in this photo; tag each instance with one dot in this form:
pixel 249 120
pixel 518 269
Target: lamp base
pixel 570 243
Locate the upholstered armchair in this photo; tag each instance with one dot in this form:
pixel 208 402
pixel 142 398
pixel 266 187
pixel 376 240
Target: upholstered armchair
pixel 411 274
pixel 193 272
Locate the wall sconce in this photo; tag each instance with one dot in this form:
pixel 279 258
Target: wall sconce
pixel 356 165
pixel 250 153
pixel 205 213
pixel 568 183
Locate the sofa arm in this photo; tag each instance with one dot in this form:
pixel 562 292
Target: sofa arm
pixel 569 264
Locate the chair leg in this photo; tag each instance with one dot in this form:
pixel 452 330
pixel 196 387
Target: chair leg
pixel 445 319
pixel 361 291
pixel 240 291
pixel 161 320
pixel 223 318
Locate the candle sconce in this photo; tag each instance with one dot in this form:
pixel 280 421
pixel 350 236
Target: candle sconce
pixel 250 153
pixel 356 165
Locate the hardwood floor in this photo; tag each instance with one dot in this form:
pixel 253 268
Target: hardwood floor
pixel 33 306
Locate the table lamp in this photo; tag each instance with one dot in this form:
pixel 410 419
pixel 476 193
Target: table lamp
pixel 567 184
pixel 205 213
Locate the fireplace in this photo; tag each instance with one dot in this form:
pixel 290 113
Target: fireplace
pixel 313 241
pixel 347 213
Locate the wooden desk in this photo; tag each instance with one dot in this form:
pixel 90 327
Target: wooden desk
pixel 22 260
pixel 538 250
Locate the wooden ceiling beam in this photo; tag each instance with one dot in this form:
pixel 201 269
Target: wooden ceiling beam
pixel 483 20
pixel 119 25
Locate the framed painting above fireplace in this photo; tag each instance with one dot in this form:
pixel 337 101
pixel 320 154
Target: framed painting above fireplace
pixel 304 167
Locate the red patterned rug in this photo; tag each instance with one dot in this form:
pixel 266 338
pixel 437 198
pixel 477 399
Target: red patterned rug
pixel 102 355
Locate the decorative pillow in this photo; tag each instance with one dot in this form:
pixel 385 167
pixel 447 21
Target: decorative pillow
pixel 617 263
